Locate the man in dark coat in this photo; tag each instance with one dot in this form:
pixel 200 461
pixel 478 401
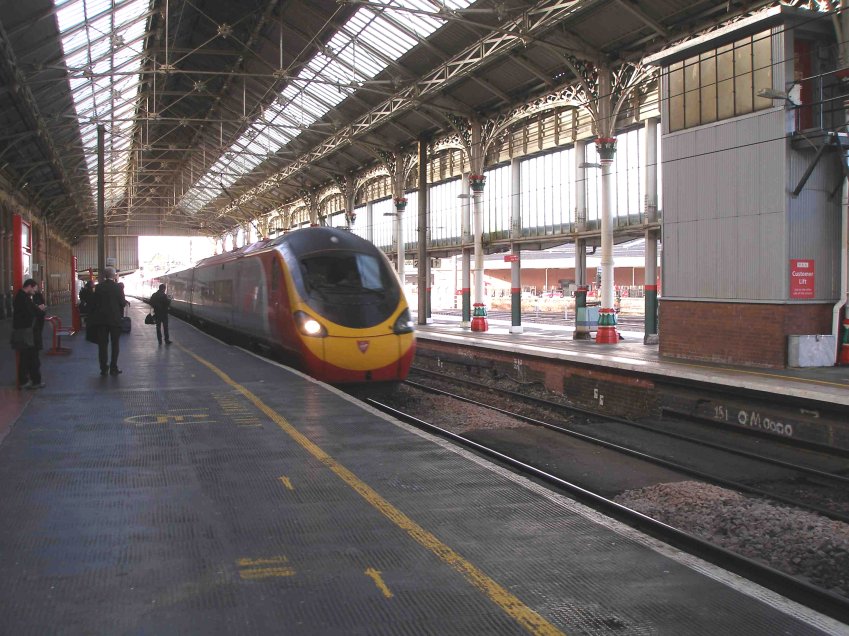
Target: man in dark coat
pixel 160 302
pixel 23 317
pixel 109 302
pixel 86 294
pixel 40 315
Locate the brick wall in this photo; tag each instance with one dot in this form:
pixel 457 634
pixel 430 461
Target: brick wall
pixel 736 333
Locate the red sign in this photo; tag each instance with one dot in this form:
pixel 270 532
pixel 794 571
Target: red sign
pixel 802 278
pixel 511 258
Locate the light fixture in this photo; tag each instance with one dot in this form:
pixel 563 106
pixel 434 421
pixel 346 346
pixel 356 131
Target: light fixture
pixel 793 95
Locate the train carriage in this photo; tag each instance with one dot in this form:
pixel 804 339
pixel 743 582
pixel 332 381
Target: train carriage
pixel 326 300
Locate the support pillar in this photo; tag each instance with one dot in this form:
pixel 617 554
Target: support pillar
pixel 516 264
pixel 479 321
pixel 76 319
pixel 423 273
pixel 400 206
pixel 477 182
pixel 606 146
pixel 582 322
pixel 650 283
pixel 466 274
pixel 101 185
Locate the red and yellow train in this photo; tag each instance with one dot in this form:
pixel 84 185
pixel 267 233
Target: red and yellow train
pixel 324 299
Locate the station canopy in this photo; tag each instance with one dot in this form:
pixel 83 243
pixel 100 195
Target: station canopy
pixel 209 113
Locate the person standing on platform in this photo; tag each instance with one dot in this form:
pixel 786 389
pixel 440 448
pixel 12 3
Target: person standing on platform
pixel 86 294
pixel 160 303
pixel 23 318
pixel 40 314
pixel 109 302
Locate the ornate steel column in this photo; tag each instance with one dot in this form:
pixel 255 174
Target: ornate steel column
pixel 650 282
pixel 606 146
pixel 477 182
pixel 423 269
pixel 466 282
pixel 582 323
pixel 515 234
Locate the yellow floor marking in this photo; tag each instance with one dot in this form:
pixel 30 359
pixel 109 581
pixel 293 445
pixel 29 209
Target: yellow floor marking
pixel 253 572
pixel 269 561
pixel 287 482
pixel 265 573
pixel 521 613
pixel 378 581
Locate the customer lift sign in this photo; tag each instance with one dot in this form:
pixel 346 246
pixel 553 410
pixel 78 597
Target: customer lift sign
pixel 802 278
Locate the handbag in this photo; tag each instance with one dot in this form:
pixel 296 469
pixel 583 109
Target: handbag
pixel 126 324
pixel 149 320
pixel 21 338
pixel 92 331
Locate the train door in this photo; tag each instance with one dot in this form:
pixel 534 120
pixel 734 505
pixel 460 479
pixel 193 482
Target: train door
pixel 276 303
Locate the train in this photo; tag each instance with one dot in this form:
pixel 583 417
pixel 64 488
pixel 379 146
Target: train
pixel 323 299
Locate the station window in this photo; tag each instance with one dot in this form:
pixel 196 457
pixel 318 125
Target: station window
pixel 721 83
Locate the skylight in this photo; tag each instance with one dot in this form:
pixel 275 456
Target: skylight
pixel 361 49
pixel 103 42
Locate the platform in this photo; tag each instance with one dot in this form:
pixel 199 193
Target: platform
pixel 824 384
pixel 209 491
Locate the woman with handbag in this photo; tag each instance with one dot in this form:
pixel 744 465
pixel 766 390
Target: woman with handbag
pixel 22 340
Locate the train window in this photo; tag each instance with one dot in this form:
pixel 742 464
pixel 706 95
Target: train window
pixel 369 268
pixel 343 272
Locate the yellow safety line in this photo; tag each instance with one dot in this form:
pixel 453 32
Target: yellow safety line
pixel 521 613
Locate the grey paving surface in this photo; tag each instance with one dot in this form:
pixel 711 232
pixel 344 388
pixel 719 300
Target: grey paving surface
pixel 173 500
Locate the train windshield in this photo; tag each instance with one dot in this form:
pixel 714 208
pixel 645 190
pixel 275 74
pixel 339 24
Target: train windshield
pixel 351 273
pixel 353 289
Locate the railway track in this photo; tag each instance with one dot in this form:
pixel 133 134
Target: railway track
pixel 797 472
pixel 799 590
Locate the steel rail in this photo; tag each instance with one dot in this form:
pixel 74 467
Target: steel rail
pixel 713 479
pixel 621 420
pixel 809 595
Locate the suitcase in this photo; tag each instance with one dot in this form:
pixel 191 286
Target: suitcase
pixel 126 324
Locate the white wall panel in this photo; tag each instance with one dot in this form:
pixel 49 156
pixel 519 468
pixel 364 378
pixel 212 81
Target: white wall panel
pixel 727 275
pixel 726 179
pixel 670 270
pixel 773 263
pixel 772 171
pixel 706 262
pixel 707 186
pixel 747 259
pixel 745 160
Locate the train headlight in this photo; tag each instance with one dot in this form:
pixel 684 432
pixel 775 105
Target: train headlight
pixel 403 324
pixel 309 326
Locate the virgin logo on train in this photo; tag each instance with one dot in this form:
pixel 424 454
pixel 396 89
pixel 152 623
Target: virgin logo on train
pixel 363 345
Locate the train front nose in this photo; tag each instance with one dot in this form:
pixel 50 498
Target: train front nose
pixel 383 358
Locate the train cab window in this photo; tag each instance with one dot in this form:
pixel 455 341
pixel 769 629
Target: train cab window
pixel 342 273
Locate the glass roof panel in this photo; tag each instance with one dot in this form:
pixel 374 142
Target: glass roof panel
pixel 99 41
pixel 359 51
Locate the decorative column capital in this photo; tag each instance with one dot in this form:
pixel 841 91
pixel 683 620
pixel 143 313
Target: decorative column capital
pixel 606 147
pixel 400 203
pixel 477 182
